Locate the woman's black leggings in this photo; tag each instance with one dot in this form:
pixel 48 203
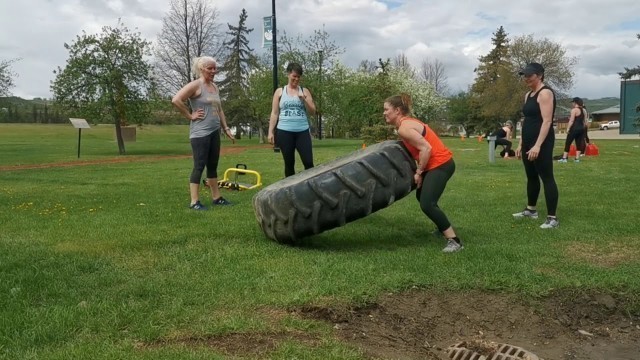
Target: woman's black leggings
pixel 585 140
pixel 206 152
pixel 578 137
pixel 433 183
pixel 289 142
pixel 541 169
pixel 504 142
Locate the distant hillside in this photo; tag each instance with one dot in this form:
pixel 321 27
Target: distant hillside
pixel 599 104
pixel 14 109
pixel 593 104
pixel 14 100
pixel 564 105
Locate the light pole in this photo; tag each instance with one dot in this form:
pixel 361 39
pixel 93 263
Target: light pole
pixel 275 55
pixel 274 46
pixel 320 53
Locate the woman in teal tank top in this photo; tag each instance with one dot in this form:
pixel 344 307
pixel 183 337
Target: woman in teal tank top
pixel 289 124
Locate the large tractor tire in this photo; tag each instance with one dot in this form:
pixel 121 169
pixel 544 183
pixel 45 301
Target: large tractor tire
pixel 335 193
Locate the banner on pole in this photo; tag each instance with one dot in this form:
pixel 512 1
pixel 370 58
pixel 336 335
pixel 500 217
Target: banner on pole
pixel 267 32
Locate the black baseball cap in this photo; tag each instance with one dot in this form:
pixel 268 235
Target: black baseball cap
pixel 532 68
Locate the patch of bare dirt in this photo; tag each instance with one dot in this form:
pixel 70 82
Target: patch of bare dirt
pixel 609 255
pixel 422 325
pixel 419 324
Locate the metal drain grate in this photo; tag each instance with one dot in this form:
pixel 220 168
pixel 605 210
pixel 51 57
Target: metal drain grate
pixel 484 350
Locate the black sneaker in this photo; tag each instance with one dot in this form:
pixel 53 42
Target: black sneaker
pixel 221 201
pixel 197 206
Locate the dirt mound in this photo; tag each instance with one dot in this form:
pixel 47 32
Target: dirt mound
pixel 422 325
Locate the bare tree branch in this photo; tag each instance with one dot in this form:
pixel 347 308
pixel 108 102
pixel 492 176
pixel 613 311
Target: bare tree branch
pixel 435 73
pixel 189 29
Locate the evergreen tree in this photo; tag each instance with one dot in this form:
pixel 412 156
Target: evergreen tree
pixel 234 86
pixel 495 88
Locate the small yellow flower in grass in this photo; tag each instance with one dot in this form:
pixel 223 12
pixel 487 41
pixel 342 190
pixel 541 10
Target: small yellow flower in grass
pixel 92 210
pixel 142 204
pixel 23 206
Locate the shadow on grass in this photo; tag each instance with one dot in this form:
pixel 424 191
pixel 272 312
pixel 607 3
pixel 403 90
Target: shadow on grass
pixel 373 233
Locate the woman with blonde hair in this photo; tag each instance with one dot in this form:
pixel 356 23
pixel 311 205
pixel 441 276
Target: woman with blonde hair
pixel 206 119
pixel 435 164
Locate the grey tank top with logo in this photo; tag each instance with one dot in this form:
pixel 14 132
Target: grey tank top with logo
pixel 210 103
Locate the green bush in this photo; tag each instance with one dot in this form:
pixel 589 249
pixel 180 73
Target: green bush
pixel 378 133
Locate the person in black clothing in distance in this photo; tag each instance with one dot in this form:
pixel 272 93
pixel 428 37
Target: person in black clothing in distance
pixel 503 136
pixel 536 145
pixel 577 127
pixel 586 140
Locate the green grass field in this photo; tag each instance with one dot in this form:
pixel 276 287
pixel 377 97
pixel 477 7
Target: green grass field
pixel 106 261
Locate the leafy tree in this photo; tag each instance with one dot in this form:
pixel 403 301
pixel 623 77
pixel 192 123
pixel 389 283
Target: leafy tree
pixel 240 60
pixel 315 53
pixel 357 96
pixel 459 108
pixel 306 52
pixel 260 94
pixel 189 30
pixel 105 75
pixel 6 77
pixel 353 100
pixel 558 67
pixel 427 104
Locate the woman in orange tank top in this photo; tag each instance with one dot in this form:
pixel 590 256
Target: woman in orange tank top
pixel 434 160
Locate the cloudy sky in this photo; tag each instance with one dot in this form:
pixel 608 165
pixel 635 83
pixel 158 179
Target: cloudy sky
pixel 602 34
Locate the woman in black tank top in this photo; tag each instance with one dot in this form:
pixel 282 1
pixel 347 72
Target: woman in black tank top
pixel 536 145
pixel 577 127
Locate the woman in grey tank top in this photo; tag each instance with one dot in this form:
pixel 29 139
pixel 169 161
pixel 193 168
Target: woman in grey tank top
pixel 206 119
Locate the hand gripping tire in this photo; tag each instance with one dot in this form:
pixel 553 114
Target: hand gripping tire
pixel 335 193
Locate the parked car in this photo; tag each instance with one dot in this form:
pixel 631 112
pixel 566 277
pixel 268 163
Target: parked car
pixel 610 125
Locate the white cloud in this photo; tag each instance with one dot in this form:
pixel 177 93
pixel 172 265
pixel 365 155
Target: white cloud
pixel 601 34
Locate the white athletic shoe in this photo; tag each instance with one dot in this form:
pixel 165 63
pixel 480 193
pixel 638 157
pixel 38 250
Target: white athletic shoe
pixel 550 223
